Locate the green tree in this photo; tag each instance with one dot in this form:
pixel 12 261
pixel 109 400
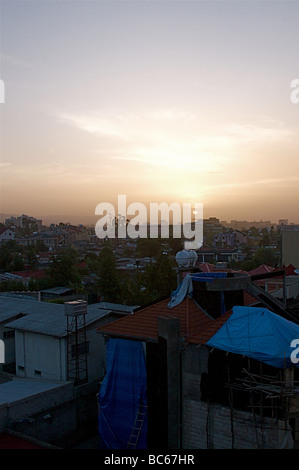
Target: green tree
pixel 31 257
pixel 17 262
pixel 63 270
pixel 108 283
pixel 150 247
pixel 261 256
pixel 159 279
pixel 13 285
pixel 7 254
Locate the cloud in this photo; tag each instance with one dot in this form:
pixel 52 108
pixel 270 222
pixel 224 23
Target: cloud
pixel 5 165
pixel 94 124
pixel 16 61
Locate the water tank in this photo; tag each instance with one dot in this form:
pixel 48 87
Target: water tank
pixel 186 258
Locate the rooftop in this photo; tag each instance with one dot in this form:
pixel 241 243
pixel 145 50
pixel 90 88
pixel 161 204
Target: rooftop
pixel 143 325
pixel 42 317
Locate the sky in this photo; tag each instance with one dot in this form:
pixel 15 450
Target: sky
pixel 159 100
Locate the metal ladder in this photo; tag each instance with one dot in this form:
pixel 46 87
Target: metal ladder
pixel 136 430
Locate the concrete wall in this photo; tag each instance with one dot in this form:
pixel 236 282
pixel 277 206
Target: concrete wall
pixel 210 425
pixel 63 416
pixel 96 359
pixel 42 353
pixel 20 410
pixel 290 248
pixel 37 352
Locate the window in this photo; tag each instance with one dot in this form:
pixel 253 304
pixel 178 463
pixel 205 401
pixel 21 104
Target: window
pixel 37 372
pixel 21 367
pixel 8 334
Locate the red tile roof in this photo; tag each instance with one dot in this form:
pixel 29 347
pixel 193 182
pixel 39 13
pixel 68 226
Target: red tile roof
pixel 203 336
pixel 207 267
pixel 262 269
pixel 143 324
pixel 38 274
pixel 290 269
pixel 249 299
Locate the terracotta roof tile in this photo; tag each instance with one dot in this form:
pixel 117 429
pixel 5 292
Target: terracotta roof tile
pixel 249 299
pixel 143 324
pixel 203 336
pixel 262 269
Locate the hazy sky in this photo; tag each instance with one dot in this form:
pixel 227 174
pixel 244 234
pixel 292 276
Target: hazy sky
pixel 164 101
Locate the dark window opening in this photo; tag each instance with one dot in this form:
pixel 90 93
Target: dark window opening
pixel 227 383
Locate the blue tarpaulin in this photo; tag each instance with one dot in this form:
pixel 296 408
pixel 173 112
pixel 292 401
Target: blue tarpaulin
pixel 258 333
pixel 121 392
pixel 186 286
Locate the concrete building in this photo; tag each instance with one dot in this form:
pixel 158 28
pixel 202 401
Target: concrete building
pixel 50 241
pixel 215 255
pixel 40 404
pixel 36 338
pixel 230 239
pixel 199 396
pixel 24 221
pixel 6 234
pixel 290 248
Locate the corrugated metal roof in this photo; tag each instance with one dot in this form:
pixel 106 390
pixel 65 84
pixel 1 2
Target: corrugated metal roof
pixel 42 317
pixel 118 307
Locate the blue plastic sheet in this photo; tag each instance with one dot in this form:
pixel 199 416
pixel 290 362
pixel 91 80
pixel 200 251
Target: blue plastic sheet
pixel 186 287
pixel 206 277
pixel 258 333
pixel 121 392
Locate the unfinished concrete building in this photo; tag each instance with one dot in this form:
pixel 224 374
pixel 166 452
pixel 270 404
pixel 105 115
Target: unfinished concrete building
pixel 216 372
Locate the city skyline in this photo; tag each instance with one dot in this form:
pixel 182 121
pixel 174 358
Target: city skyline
pixel 162 101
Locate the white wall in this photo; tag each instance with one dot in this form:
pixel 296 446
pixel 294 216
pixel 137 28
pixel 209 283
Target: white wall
pixel 35 352
pixel 9 345
pixel 7 235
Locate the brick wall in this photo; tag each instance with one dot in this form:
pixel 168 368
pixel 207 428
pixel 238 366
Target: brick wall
pixel 212 426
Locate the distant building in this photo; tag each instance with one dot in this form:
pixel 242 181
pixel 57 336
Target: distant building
pixel 288 228
pixel 230 239
pixel 212 225
pixel 6 234
pixel 290 248
pixel 23 221
pixel 283 222
pixel 50 241
pixel 215 255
